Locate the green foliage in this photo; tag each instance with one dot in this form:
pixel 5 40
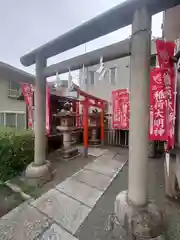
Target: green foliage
pixel 16 151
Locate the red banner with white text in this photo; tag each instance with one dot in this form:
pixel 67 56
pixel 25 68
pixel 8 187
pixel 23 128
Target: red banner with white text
pixel 48 110
pixel 170 91
pixel 78 120
pixel 120 104
pixel 165 51
pixel 27 92
pixel 158 106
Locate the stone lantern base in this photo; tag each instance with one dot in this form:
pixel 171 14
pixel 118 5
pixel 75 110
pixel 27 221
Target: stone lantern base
pixel 68 154
pixel 68 151
pixel 94 141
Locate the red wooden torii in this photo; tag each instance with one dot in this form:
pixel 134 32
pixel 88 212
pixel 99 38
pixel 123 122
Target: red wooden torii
pixel 89 101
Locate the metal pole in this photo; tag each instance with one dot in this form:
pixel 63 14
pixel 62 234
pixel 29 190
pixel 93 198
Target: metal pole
pixel 139 110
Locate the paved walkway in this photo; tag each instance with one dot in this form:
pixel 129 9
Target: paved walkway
pixel 59 213
pixel 95 226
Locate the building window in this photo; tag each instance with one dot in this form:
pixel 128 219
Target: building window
pixel 85 80
pixel 13 119
pixel 14 89
pixel 1 119
pixel 107 73
pixel 10 120
pixel 91 77
pixel 21 121
pixel 105 107
pixel 113 75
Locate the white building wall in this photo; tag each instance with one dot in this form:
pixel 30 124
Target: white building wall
pixel 172 23
pixel 9 104
pixel 103 88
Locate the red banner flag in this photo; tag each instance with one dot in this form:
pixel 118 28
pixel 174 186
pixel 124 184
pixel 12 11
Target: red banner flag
pixel 158 109
pixel 165 51
pixel 27 92
pixel 48 110
pixel 120 100
pixel 168 77
pixel 78 120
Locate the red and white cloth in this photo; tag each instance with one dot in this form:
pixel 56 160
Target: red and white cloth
pixel 165 51
pixel 28 92
pixel 120 104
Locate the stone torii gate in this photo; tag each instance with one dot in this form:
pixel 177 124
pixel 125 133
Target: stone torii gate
pixel 132 208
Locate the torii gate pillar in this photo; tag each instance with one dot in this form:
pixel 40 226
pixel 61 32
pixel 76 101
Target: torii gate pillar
pixel 133 210
pixel 39 170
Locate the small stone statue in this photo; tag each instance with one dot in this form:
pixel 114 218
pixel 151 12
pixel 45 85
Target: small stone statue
pixel 67 106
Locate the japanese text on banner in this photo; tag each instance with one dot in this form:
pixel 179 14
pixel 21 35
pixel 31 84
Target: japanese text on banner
pixel 168 77
pixel 120 116
pixel 158 109
pixel 48 110
pixel 165 52
pixel 27 92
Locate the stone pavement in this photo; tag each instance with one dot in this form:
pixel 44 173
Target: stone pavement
pixel 59 213
pixel 95 227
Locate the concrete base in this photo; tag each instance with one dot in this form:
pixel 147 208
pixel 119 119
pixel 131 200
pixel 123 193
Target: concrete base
pixel 67 154
pixel 141 222
pixel 36 174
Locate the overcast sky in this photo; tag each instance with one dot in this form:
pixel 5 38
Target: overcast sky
pixel 27 24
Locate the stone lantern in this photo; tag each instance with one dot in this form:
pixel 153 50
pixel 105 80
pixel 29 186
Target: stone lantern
pixel 94 120
pixel 66 127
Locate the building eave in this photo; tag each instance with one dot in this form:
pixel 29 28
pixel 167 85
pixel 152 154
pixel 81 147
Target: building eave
pixel 9 72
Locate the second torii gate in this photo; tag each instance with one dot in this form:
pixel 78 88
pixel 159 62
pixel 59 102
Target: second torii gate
pixel 90 101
